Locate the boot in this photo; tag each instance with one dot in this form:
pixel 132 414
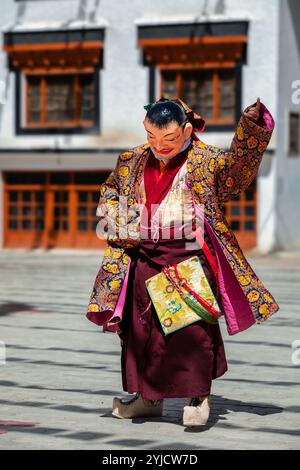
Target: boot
pixel 196 413
pixel 137 407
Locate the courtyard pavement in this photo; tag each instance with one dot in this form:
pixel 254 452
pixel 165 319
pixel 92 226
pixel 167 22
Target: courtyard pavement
pixel 61 371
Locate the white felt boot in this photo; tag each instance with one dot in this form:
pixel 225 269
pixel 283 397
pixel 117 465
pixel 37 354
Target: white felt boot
pixel 137 407
pixel 196 413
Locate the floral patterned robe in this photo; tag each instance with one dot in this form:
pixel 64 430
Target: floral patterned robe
pixel 213 176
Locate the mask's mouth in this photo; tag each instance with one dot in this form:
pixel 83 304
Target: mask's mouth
pixel 164 152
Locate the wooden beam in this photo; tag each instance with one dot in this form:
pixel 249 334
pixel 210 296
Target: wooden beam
pixel 69 46
pixel 196 65
pixel 57 70
pixel 158 42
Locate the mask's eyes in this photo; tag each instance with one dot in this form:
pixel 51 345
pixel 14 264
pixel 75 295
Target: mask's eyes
pixel 167 140
pixel 174 138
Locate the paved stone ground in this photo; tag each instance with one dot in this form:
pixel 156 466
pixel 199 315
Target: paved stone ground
pixel 62 372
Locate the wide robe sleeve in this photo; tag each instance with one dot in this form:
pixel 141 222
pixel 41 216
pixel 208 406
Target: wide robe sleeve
pixel 108 293
pixel 112 209
pixel 235 169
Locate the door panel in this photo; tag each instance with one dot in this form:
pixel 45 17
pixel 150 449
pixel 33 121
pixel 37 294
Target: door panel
pixel 61 211
pixel 241 214
pixel 58 213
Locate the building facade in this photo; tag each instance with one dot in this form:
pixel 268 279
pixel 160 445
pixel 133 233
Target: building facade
pixel 75 75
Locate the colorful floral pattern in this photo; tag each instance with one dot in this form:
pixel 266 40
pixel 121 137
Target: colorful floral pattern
pixel 214 176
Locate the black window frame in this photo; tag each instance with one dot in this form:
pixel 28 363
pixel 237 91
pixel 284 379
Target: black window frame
pixel 21 129
pixel 292 152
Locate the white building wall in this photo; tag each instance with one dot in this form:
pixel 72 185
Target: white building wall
pixel 124 80
pixel 288 168
pixel 260 79
pixel 1 209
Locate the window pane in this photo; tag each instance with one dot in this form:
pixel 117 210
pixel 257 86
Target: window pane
pixel 96 196
pixel 39 211
pixel 249 195
pixel 13 210
pixel 61 196
pixel 198 92
pixel 235 210
pixel 26 224
pixel 88 99
pixel 26 196
pixel 294 138
pixel 34 99
pixel 61 225
pixel 60 104
pixel 26 210
pixel 61 211
pixel 169 85
pixel 227 94
pixel 82 211
pixel 249 225
pixel 83 196
pixel 13 196
pixel 235 225
pixel 13 225
pixel 249 210
pixel 39 225
pixel 40 196
pixel 82 226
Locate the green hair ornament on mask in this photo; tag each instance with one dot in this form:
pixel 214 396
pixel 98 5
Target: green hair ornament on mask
pixel 148 106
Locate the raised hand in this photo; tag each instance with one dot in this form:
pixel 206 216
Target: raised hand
pixel 253 112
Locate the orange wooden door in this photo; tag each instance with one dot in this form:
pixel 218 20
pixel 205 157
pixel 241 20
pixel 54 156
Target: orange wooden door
pixel 43 213
pixel 57 213
pixel 241 213
pixel 85 204
pixel 24 217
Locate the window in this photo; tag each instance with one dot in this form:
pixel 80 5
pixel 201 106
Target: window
pixel 57 75
pixel 294 134
pixel 211 93
pixel 57 100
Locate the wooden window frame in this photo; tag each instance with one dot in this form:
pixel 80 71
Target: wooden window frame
pixel 76 126
pixel 215 122
pixel 77 122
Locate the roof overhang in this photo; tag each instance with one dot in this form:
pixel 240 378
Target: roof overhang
pixel 193 43
pixel 54 48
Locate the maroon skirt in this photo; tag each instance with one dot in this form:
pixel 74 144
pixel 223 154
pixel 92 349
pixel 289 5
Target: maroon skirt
pixel 181 364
